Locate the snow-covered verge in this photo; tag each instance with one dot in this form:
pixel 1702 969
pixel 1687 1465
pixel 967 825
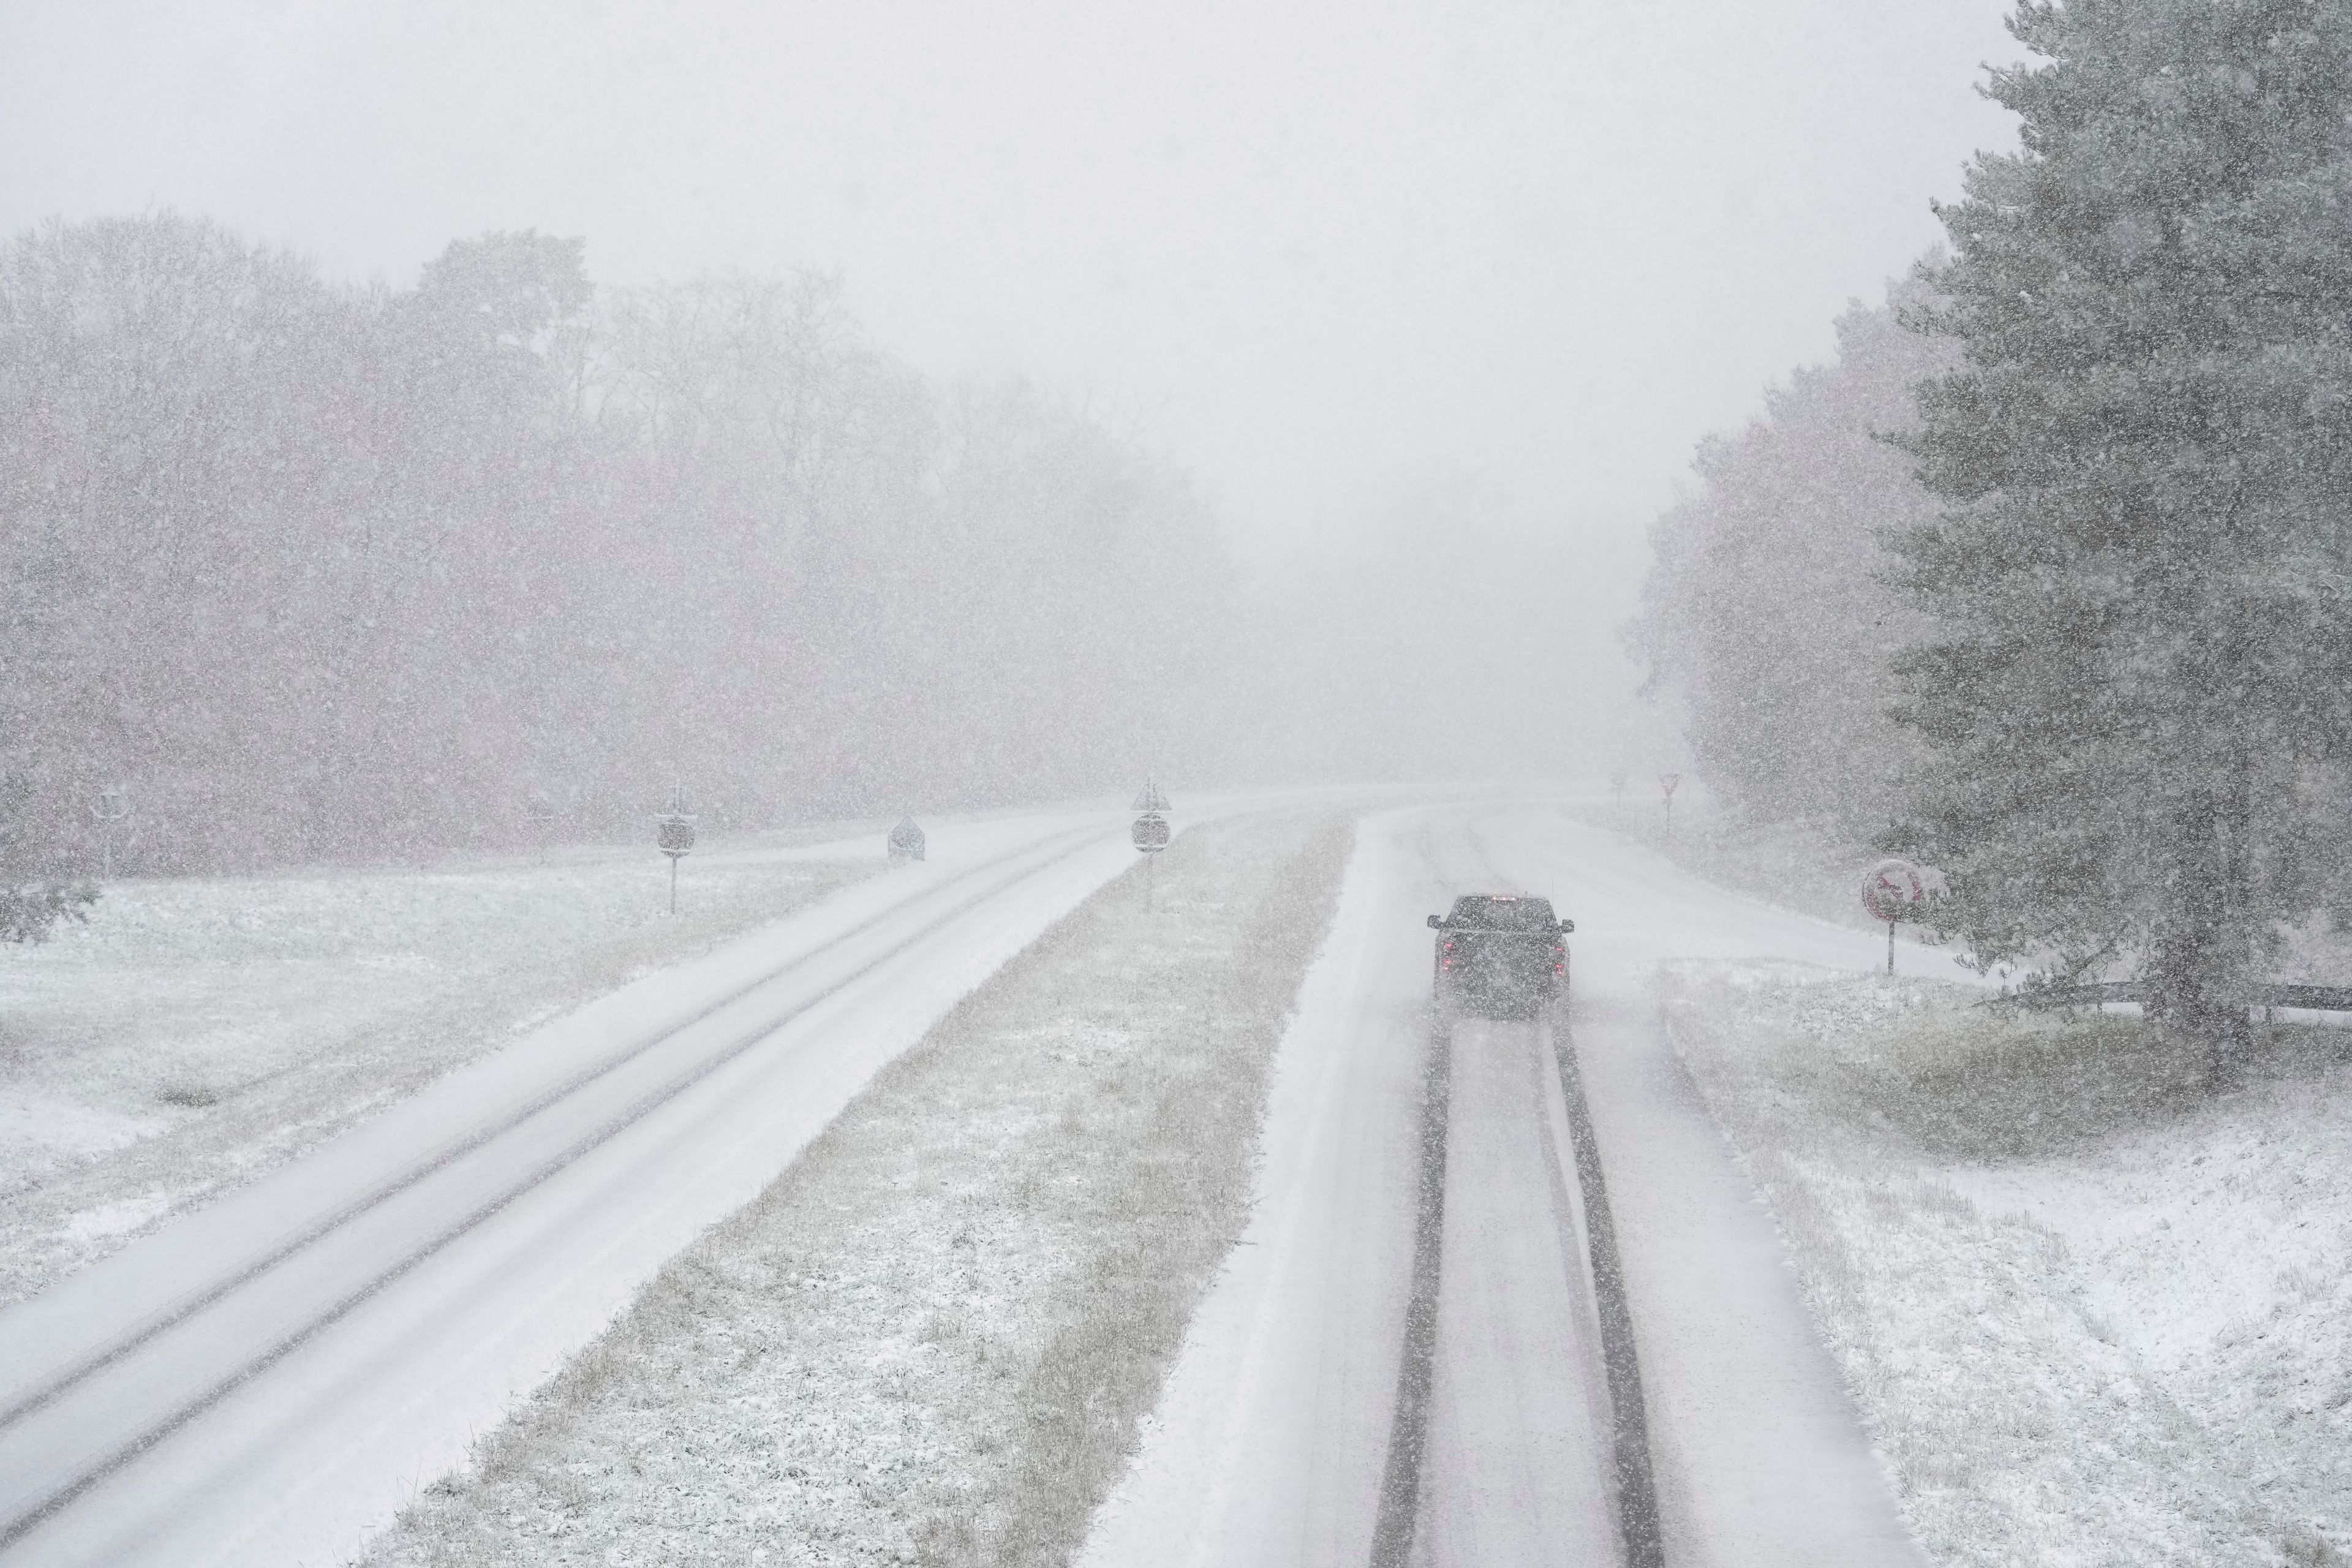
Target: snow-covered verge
pixel 2092 1311
pixel 197 1033
pixel 1798 864
pixel 932 1340
pixel 1803 866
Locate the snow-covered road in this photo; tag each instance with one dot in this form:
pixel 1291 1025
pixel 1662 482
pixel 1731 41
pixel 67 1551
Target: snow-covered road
pixel 1516 1466
pixel 1272 1440
pixel 266 1381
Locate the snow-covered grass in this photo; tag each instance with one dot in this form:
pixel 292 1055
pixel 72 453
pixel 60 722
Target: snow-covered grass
pixel 931 1341
pixel 196 1033
pixel 2094 1312
pixel 1799 866
pixel 1803 866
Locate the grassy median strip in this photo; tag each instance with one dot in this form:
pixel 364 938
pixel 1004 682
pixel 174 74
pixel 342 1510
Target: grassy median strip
pixel 931 1341
pixel 2094 1311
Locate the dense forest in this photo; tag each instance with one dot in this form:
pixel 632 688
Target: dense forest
pixel 297 571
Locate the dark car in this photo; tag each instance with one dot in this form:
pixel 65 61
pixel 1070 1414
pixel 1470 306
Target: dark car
pixel 1499 955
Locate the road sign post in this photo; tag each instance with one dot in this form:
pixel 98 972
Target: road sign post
pixel 109 809
pixel 543 815
pixel 1895 889
pixel 1666 782
pixel 674 836
pixel 1150 834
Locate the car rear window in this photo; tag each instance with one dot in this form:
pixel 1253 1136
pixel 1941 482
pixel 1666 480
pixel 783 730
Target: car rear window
pixel 1503 914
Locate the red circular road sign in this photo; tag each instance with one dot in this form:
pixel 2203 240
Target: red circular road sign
pixel 1895 889
pixel 1150 833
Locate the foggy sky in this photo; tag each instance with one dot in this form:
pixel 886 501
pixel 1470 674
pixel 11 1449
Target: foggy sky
pixel 1318 250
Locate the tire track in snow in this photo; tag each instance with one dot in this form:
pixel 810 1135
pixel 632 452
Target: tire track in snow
pixel 1636 1487
pixel 1635 1480
pixel 1399 1509
pixel 1634 1484
pixel 1398 1520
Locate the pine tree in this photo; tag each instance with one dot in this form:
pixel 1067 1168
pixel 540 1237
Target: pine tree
pixel 2139 695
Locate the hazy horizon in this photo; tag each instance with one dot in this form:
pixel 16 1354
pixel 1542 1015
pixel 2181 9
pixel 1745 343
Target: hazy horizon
pixel 1320 258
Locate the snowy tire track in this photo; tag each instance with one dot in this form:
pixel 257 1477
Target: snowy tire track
pixel 1399 1511
pixel 1589 1233
pixel 1637 1486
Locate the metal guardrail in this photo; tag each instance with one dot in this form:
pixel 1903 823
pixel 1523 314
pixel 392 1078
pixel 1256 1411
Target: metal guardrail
pixel 2090 995
pixel 2311 998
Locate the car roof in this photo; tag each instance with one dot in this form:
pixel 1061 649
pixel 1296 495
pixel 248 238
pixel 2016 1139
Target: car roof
pixel 1505 910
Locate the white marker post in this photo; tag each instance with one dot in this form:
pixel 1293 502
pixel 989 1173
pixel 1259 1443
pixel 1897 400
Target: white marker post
pixel 541 812
pixel 674 836
pixel 1150 834
pixel 109 809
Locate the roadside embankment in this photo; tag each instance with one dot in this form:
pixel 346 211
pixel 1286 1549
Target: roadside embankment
pixel 1798 864
pixel 2093 1311
pixel 198 1033
pixel 933 1337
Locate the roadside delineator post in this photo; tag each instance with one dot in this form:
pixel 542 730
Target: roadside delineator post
pixel 1150 834
pixel 109 809
pixel 674 836
pixel 544 816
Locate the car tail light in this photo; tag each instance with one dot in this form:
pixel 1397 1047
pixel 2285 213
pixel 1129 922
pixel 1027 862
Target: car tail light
pixel 1559 959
